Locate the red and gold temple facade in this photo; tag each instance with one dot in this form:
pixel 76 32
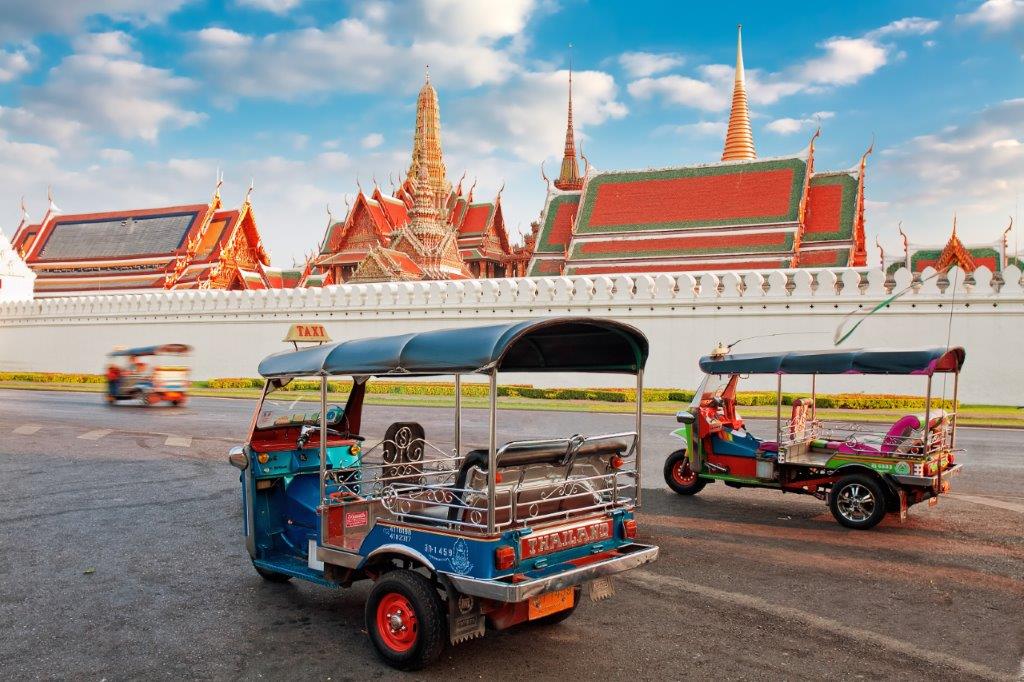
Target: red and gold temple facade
pixel 995 255
pixel 425 228
pixel 741 213
pixel 192 246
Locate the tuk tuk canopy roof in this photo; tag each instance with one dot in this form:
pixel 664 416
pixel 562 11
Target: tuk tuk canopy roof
pixel 576 344
pixel 926 361
pixel 164 349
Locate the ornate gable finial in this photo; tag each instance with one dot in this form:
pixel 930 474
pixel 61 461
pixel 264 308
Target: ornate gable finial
pixel 359 184
pixel 24 214
pixel 881 252
pixel 469 196
pixel 586 162
pixel 248 192
pixel 544 177
pixel 739 140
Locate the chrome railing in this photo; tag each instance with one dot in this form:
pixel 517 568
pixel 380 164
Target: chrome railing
pixel 421 487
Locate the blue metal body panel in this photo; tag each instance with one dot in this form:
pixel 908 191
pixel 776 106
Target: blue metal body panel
pixel 285 520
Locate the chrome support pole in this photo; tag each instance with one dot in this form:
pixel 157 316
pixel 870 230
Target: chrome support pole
pixel 458 415
pixel 323 453
pixel 492 449
pixel 639 432
pixel 956 408
pixel 814 398
pixel 778 411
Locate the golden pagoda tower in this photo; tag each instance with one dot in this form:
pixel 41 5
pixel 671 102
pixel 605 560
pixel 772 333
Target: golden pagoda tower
pixel 739 142
pixel 427 144
pixel 569 178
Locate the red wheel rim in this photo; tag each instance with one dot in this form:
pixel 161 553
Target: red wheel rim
pixel 683 474
pixel 396 622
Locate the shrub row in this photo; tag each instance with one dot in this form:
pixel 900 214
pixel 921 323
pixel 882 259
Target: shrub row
pixel 854 401
pixel 52 378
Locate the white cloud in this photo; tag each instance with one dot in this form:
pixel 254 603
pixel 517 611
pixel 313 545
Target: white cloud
pixel 689 92
pixel 275 6
pixel 846 61
pixel 112 155
pixel 21 19
pixel 789 126
pixel 918 26
pixel 110 43
pixel 975 169
pixel 996 15
pixel 372 141
pixel 643 64
pixel 15 63
pixel 23 123
pixel 843 61
pixel 465 42
pixel 527 115
pixel 109 93
pixel 474 21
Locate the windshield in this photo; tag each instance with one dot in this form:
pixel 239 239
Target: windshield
pixel 713 386
pixel 295 404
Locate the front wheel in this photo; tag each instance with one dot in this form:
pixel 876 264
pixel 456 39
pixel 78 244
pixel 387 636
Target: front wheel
pixel 680 477
pixel 406 620
pixel 857 501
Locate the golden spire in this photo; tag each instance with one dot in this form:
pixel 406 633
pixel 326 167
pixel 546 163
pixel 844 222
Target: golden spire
pixel 427 143
pixel 569 178
pixel 739 142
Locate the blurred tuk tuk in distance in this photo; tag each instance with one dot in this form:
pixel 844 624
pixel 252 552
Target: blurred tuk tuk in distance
pixel 151 374
pixel 455 539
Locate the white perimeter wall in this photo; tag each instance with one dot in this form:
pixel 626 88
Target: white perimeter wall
pixel 684 316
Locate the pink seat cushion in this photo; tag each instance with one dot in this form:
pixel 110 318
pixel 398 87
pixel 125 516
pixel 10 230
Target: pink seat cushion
pixel 769 446
pixel 899 431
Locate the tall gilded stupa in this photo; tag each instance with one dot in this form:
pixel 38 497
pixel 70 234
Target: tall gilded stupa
pixel 426 145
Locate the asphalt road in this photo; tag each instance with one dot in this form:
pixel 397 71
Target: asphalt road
pixel 121 557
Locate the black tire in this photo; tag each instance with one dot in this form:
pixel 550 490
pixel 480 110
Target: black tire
pixel 272 576
pixel 858 501
pixel 430 623
pixel 556 618
pixel 684 485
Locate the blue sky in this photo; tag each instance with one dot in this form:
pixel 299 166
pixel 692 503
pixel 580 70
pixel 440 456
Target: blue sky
pixel 131 103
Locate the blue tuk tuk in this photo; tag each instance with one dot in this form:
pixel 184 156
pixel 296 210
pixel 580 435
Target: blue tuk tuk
pixel 455 541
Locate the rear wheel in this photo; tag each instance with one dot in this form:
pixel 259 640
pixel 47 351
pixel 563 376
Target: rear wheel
pixel 178 402
pixel 406 620
pixel 152 398
pixel 680 477
pixel 857 501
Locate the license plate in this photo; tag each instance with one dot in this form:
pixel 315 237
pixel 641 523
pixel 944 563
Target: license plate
pixel 601 588
pixel 552 602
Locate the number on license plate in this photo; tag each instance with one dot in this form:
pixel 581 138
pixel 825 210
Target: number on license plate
pixel 551 602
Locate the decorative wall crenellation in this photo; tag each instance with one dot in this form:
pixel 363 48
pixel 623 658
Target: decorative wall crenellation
pixel 733 289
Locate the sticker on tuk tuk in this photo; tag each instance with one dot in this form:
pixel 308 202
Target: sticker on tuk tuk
pixel 901 468
pixel 357 519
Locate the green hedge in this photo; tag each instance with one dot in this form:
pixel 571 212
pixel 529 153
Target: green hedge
pixel 52 378
pixel 852 401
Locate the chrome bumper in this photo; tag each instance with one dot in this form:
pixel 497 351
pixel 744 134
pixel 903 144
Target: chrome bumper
pixel 926 481
pixel 637 555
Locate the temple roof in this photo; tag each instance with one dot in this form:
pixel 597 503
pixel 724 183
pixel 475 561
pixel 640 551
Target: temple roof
pixel 746 193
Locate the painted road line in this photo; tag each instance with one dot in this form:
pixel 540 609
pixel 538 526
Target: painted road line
pixel 988 502
pixel 179 441
pixel 672 585
pixel 27 429
pixel 95 435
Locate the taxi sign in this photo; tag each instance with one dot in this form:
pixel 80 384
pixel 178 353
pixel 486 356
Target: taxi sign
pixel 307 332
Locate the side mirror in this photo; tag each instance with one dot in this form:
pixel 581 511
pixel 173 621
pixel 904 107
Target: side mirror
pixel 238 458
pixel 684 417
